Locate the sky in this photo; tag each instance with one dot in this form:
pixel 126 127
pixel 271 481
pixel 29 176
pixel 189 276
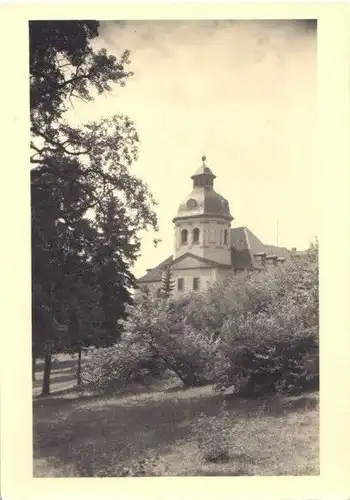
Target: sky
pixel 244 94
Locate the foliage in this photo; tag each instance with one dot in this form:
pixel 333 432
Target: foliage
pixel 213 435
pixel 84 240
pixel 254 334
pixel 183 350
pixel 274 348
pixel 155 340
pixel 232 297
pixel 114 369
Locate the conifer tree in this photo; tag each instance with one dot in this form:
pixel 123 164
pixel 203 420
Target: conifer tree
pixel 168 284
pixel 84 241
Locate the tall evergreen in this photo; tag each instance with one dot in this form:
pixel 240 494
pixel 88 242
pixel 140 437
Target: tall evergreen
pixel 87 205
pixel 168 284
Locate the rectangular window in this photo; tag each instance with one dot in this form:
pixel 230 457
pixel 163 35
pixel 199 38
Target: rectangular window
pixel 195 283
pixel 180 284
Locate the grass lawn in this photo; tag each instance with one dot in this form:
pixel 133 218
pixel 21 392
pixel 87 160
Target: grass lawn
pixel 94 436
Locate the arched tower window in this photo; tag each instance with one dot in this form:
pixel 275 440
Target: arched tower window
pixel 195 235
pixel 184 237
pixel 225 236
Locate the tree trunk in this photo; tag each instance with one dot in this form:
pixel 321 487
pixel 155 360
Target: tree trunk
pixel 33 366
pixel 46 378
pixel 79 368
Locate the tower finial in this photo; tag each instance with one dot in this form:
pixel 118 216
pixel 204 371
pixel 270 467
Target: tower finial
pixel 204 158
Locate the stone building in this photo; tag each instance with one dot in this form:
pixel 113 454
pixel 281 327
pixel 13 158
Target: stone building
pixel 206 247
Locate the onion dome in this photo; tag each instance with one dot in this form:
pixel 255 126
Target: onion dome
pixel 203 200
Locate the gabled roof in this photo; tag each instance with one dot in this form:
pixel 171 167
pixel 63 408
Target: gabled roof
pixel 155 274
pixel 257 246
pixel 209 262
pixel 244 245
pixel 164 263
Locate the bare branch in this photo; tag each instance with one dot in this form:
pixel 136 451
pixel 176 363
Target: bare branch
pixel 57 144
pixel 74 79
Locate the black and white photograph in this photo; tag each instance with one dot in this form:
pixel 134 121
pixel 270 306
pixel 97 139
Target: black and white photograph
pixel 174 247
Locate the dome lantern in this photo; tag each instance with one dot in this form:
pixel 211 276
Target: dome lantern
pixel 203 201
pixel 203 177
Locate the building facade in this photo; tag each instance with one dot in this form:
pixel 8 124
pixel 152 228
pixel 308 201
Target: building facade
pixel 206 247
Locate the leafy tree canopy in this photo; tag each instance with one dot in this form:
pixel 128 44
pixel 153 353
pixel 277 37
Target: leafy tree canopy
pixel 87 205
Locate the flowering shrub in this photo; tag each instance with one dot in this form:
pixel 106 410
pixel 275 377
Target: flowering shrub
pixel 266 352
pixel 274 348
pixel 115 368
pixel 254 334
pixel 161 327
pixel 214 435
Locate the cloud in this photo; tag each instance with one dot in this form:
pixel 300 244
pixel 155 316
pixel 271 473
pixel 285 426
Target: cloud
pixel 244 93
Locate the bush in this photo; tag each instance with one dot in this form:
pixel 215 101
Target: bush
pixel 255 334
pixel 116 368
pixel 159 326
pixel 213 436
pixel 267 353
pixel 274 347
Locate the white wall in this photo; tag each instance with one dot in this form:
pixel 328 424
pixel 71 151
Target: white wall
pixel 211 239
pixel 206 276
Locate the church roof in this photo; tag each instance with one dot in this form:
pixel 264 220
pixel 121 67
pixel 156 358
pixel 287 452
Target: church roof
pixel 208 262
pixel 244 246
pixel 204 202
pixel 203 170
pixel 155 274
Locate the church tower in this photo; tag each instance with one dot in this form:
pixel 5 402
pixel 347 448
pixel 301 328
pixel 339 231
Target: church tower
pixel 203 221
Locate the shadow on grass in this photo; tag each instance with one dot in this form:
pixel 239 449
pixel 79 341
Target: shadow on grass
pixel 64 377
pixel 84 431
pixel 57 364
pixel 61 400
pixel 60 367
pixel 63 371
pixel 274 405
pixel 76 432
pixel 89 430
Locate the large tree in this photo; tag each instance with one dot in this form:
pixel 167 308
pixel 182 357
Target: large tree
pixel 87 206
